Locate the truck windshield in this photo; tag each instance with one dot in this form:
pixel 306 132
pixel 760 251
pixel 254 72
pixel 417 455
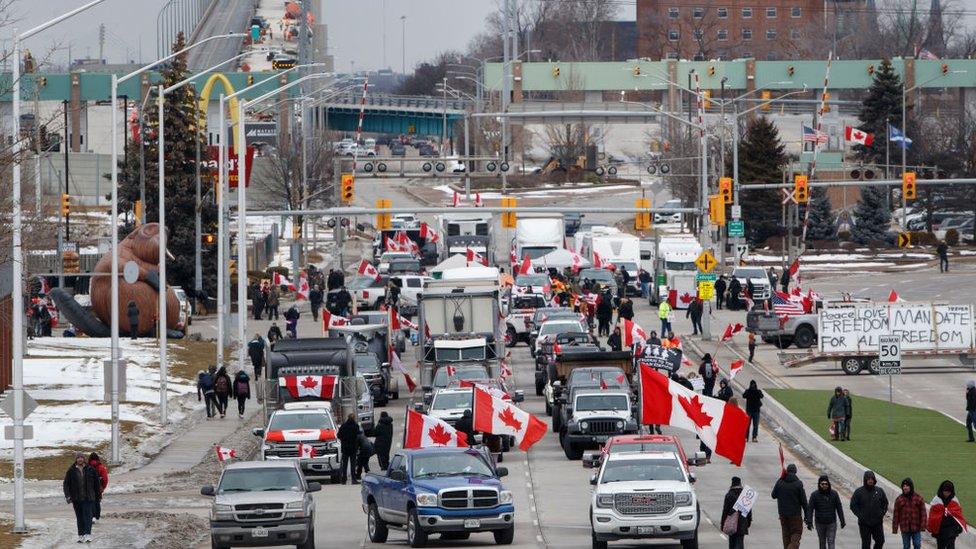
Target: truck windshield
pixel 624 470
pixel 441 379
pixel 600 275
pixel 535 252
pixel 528 302
pixel 532 280
pixel 367 364
pixel 753 272
pixel 592 403
pixel 310 420
pixel 680 266
pixel 447 464
pixel 263 479
pixel 620 447
pixel 455 355
pixel 553 328
pixel 451 401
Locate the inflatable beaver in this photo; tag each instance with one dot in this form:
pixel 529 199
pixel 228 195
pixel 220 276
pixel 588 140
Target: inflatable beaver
pixel 142 247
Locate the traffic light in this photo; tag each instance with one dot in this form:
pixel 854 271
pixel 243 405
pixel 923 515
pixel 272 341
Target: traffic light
pixel 208 239
pixel 642 220
pixel 509 219
pixel 790 70
pixel 870 70
pixel 908 186
pixel 137 211
pixel 384 221
pixel 65 204
pixel 711 70
pixel 801 189
pixel 250 80
pixel 707 99
pixel 725 189
pixel 555 72
pixel 945 68
pixel 826 101
pixel 766 95
pixel 716 209
pixel 636 70
pixel 348 188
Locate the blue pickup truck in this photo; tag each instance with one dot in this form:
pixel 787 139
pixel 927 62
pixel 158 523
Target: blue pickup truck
pixel 448 491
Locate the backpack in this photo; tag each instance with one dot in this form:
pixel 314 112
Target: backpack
pixel 222 385
pixel 242 387
pixel 731 524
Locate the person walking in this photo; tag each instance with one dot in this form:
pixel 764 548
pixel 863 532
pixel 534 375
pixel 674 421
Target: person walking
pixel 383 440
pixel 946 518
pixel 733 519
pixel 663 314
pixel 848 414
pixel 255 350
pixel 836 413
pixel 625 309
pixel 825 512
pixel 724 390
pixel 694 312
pixel 81 490
pixel 274 300
pixel 132 313
pixel 752 346
pixel 943 250
pixel 720 286
pixel 291 321
pixel 909 515
pixel 732 299
pixel 753 397
pixel 348 436
pixel 242 391
pixel 315 301
pixel 222 390
pixel 970 409
pixel 343 301
pixel 205 391
pixel 645 283
pixel 257 302
pixel 274 333
pixel 614 341
pixel 708 371
pixel 364 452
pixel 870 504
pixel 96 462
pixel 604 313
pixel 784 281
pixel 791 503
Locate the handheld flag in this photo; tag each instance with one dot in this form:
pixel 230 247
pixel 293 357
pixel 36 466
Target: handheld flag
pixel 223 454
pixel 735 367
pixel 730 331
pixel 423 431
pixel 498 417
pixel 367 269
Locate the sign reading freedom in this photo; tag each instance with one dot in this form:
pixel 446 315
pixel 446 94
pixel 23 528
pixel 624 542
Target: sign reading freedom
pixel 921 326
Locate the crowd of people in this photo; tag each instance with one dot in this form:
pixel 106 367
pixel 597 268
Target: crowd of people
pixel 356 449
pixel 215 388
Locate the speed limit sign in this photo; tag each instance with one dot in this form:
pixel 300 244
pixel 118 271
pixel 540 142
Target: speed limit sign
pixel 889 355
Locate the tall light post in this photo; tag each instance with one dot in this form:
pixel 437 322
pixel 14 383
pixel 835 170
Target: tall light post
pixel 403 45
pixel 17 287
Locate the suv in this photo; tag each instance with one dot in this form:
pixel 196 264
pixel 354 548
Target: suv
pixel 262 503
pixel 521 308
pixel 643 496
pixel 449 405
pixel 588 377
pixel 303 423
pixel 595 416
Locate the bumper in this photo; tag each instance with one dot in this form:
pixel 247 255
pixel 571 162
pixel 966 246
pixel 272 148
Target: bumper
pixel 593 440
pixel 441 520
pixel 680 524
pixel 288 532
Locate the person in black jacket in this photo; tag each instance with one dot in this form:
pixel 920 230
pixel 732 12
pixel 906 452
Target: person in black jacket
pixel 694 312
pixel 825 511
pixel 614 340
pixel 383 440
pixel 205 390
pixel 291 321
pixel 255 350
pixel 870 504
pixel 82 489
pixel 132 312
pixel 970 408
pixel 364 451
pixel 222 390
pixel 736 540
pixel 348 436
pixel 604 313
pixel 791 502
pixel 753 397
pixel 315 301
pixel 732 299
pixel 274 333
pixel 720 286
pixel 242 391
pixel 626 309
pixel 724 390
pixel 466 425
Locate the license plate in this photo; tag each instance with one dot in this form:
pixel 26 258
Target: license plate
pixel 472 523
pixel 643 530
pixel 260 532
pixel 601 439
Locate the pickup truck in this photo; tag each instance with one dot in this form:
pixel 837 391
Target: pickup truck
pixel 592 417
pixel 521 309
pixel 262 503
pixel 303 423
pixel 572 341
pixel 453 492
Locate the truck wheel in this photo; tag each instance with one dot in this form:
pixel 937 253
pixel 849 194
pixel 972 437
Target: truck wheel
pixel 782 342
pixel 504 537
pixel 416 536
pixel 571 450
pixel 511 338
pixel 805 337
pixel 598 543
pixel 872 365
pixel 851 366
pixel 375 526
pixel 215 545
pixel 309 540
pixel 690 543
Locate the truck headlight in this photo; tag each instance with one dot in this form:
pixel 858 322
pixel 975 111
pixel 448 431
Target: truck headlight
pixel 268 447
pixel 221 508
pixel 604 500
pixel 682 498
pixel 620 424
pixel 294 504
pixel 427 500
pixel 584 425
pixel 505 497
pixel 222 512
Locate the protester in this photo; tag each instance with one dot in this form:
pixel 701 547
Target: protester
pixel 653 339
pixel 848 414
pixel 837 413
pixel 364 452
pixel 205 391
pixel 870 504
pixel 255 350
pixel 466 425
pixel 291 321
pixel 257 301
pixel 604 313
pixel 752 346
pixel 274 300
pixel 96 463
pixel 825 511
pixel 724 390
pixel 315 301
pixel 242 391
pixel 383 439
pixel 753 397
pixel 694 312
pixel 729 514
pixel 773 278
pixel 81 490
pixel 909 516
pixel 663 313
pixel 732 300
pixel 625 309
pixel 222 390
pixel 274 333
pixel 784 281
pixel 943 250
pixel 132 313
pixel 720 286
pixel 791 503
pixel 348 436
pixel 614 340
pixel 970 408
pixel 645 283
pixel 343 300
pixel 708 370
pixel 946 516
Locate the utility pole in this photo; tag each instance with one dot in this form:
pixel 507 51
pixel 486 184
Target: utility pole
pixel 403 45
pixel 67 139
pixel 507 54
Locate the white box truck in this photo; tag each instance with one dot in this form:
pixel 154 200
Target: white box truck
pixel 675 270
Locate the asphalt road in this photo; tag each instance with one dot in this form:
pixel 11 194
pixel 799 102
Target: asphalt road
pixel 228 16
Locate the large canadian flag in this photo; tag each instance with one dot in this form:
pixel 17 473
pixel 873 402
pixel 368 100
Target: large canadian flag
pixel 854 135
pixel 597 261
pixel 730 331
pixel 720 426
pixel 427 233
pixel 367 269
pixel 309 386
pixel 330 320
pixel 423 431
pixel 632 333
pixel 303 435
pixel 282 280
pixel 494 415
pixel 474 257
pixel 302 291
pixel 526 266
pixel 938 510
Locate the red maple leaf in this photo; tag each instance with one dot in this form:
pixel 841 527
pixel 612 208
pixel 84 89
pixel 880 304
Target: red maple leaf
pixel 508 418
pixel 309 382
pixel 439 435
pixel 686 297
pixel 695 410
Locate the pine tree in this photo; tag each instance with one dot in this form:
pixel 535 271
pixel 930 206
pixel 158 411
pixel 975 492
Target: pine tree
pixel 180 115
pixel 821 226
pixel 882 106
pixel 761 155
pixel 871 215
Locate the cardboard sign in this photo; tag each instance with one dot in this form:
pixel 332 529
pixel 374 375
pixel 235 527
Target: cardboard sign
pixel 747 499
pixel 921 326
pixel 213 161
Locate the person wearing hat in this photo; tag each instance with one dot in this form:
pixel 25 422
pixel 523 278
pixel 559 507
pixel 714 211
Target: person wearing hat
pixel 791 502
pixel 825 511
pixel 741 526
pixel 82 489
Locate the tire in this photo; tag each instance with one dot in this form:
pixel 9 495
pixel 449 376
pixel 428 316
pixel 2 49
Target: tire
pixel 215 545
pixel 782 342
pixel 572 451
pixel 504 537
pixel 851 366
pixel 376 526
pixel 690 543
pixel 416 536
pixel 597 543
pixel 871 365
pixel 455 536
pixel 805 337
pixel 511 337
pixel 310 539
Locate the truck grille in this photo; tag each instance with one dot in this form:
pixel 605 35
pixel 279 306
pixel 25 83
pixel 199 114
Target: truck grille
pixel 469 499
pixel 291 450
pixel 603 427
pixel 646 503
pixel 259 512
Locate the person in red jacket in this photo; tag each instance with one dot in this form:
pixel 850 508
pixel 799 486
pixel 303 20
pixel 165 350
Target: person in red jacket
pixel 909 515
pixel 102 471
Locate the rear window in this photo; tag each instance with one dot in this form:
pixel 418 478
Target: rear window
pixel 643 447
pixel 413 283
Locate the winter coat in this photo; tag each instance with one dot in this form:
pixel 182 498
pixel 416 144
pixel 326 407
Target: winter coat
pixel 205 384
pixel 869 503
pixel 753 397
pixel 942 249
pixel 825 506
pixel 255 349
pixel 242 385
pixel 708 371
pixel 604 308
pixel 132 313
pixel 343 299
pixel 720 286
pixel 791 499
pixel 909 514
pixel 727 509
pixel 837 407
pixel 614 342
pixel 82 485
pixel 348 435
pixel 365 447
pixel 274 298
pixel 274 333
pixel 315 298
pixel 292 313
pixel 102 471
pixel 971 399
pixel 725 393
pixel 626 310
pixel 383 440
pixel 222 383
pixel 466 425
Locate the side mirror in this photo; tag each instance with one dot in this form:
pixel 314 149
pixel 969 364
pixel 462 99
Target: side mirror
pixel 313 487
pixel 397 474
pixel 593 479
pixel 418 407
pixel 519 396
pixel 501 472
pixel 591 460
pixel 258 432
pixel 207 490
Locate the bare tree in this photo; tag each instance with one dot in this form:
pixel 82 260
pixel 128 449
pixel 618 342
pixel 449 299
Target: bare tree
pixel 280 182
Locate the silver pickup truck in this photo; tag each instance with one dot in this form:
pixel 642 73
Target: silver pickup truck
pixel 261 503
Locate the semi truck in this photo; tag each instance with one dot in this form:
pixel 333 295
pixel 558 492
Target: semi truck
pixel 674 270
pixel 536 236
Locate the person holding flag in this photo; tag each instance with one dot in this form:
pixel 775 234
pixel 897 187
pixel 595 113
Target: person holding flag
pixel 946 519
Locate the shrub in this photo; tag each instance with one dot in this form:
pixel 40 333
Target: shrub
pixel 952 237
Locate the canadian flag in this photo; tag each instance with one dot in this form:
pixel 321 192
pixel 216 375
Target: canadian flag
pixel 893 297
pixel 854 135
pixel 526 266
pixel 506 370
pixel 782 461
pixel 306 451
pixel 223 454
pixel 477 200
pixel 330 320
pixel 451 370
pixel 303 435
pixel 302 291
pixel 597 262
pixel 577 262
pixel 720 426
pixel 495 416
pixel 938 510
pixel 309 386
pixel 457 199
pixel 282 280
pixel 423 431
pixel 394 319
pixel 512 258
pixel 428 234
pixel 633 334
pixel 406 244
pixel 367 269
pixel 731 330
pixel 398 365
pixel 735 367
pixel 393 246
pixel 475 257
pixel 794 268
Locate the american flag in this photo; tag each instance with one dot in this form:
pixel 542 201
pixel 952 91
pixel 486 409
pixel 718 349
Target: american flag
pixel 784 306
pixel 814 136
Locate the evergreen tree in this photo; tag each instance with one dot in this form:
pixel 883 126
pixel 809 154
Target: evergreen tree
pixel 761 156
pixel 882 106
pixel 871 215
pixel 180 115
pixel 821 226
